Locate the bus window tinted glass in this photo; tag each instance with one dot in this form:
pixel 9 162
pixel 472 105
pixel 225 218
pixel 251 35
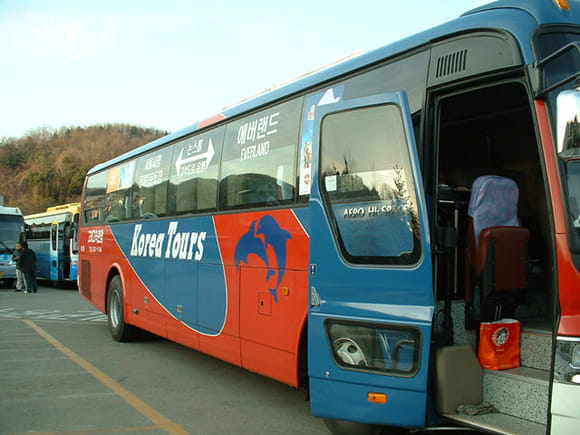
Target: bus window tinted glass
pixel 75 234
pixel 194 173
pixel 118 199
pixel 55 234
pixel 409 74
pixel 10 228
pixel 259 157
pixel 367 178
pixel 94 200
pixel 40 227
pixel 150 188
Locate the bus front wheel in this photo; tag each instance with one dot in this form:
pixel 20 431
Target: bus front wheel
pixel 120 331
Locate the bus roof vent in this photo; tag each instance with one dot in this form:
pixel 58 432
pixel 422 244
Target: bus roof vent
pixel 470 55
pixel 451 63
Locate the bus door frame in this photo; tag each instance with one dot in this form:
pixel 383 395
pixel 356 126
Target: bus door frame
pixel 54 252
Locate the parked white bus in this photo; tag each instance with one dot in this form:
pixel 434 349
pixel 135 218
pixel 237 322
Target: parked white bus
pixel 11 231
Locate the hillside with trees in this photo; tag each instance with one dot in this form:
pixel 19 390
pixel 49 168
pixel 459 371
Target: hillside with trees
pixel 47 167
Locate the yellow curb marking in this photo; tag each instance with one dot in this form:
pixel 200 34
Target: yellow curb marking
pixel 159 419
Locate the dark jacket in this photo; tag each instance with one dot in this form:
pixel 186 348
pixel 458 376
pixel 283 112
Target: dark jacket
pixel 27 261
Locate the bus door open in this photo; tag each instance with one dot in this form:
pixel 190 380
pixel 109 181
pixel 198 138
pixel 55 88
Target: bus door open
pixel 73 250
pixel 371 291
pixel 53 252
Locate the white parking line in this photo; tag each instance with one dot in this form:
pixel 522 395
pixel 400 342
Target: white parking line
pixel 79 316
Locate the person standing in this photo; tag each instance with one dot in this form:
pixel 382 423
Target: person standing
pixel 28 266
pixel 20 282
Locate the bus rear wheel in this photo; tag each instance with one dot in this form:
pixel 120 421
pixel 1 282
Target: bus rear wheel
pixel 120 331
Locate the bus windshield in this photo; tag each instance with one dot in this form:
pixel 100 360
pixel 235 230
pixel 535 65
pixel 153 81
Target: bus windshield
pixel 573 184
pixel 561 49
pixel 568 106
pixel 10 228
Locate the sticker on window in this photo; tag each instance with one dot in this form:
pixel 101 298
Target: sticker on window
pixel 330 183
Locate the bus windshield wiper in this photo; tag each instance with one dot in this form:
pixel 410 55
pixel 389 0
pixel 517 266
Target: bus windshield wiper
pixel 6 246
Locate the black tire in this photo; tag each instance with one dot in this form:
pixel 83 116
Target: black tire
pixel 120 331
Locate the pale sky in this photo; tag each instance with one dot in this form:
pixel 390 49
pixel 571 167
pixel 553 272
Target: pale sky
pixel 170 63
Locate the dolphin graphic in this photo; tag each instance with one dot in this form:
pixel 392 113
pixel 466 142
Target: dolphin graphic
pixel 250 244
pixel 277 238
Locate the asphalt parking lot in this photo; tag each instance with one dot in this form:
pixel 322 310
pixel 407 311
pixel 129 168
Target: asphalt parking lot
pixel 61 373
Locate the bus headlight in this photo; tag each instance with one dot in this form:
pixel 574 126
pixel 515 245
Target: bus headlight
pixel 349 352
pixel 391 349
pixel 567 364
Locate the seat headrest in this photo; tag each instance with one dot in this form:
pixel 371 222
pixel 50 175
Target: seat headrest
pixel 493 203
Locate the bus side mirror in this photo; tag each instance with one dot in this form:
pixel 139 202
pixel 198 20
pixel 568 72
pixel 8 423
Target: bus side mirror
pixel 546 74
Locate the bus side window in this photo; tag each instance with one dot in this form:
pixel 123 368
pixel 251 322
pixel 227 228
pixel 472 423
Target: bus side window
pixel 259 158
pixel 285 190
pixel 194 173
pixel 149 198
pixel 94 201
pixel 118 197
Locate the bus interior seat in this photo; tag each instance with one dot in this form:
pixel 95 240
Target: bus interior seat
pixel 496 254
pixel 524 208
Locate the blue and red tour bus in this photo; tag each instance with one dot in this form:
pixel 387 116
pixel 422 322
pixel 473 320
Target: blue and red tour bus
pixel 351 231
